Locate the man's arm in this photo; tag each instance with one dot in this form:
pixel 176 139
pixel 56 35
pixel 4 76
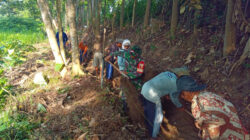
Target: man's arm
pixel 175 99
pixel 65 37
pixel 85 50
pixel 133 75
pixel 117 53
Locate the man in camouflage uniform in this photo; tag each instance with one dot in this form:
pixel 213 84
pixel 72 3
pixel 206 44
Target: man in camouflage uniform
pixel 133 58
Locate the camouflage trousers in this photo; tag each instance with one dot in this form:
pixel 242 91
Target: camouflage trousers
pixel 137 83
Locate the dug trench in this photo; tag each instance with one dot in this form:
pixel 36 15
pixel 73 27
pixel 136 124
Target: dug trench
pixel 176 124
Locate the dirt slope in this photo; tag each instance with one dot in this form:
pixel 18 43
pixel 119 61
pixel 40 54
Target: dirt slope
pixel 202 55
pixel 75 106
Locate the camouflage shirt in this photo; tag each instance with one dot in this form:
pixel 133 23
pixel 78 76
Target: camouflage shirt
pixel 130 63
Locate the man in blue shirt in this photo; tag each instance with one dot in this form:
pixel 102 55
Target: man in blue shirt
pixel 65 38
pixel 152 91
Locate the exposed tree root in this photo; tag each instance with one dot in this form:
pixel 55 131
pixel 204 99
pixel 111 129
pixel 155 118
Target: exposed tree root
pixel 246 53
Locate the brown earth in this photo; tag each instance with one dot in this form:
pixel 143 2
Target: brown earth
pixel 78 105
pixel 202 55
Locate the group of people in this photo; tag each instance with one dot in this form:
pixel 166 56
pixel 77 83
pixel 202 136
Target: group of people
pixel 216 117
pixel 82 47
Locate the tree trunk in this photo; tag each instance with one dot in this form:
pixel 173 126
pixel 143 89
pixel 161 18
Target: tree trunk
pixel 230 38
pixel 66 18
pixel 104 13
pixel 71 14
pixel 87 15
pixel 133 16
pixel 90 14
pixel 44 8
pixel 113 24
pixel 83 12
pixel 58 9
pixel 97 24
pixel 96 19
pixel 99 4
pixel 245 54
pixel 52 11
pixel 146 18
pixel 94 14
pixel 122 14
pixel 174 18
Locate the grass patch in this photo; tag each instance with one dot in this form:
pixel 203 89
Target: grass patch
pixel 17 126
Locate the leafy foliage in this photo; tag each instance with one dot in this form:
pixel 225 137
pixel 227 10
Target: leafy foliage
pixel 19 24
pixel 16 126
pixel 16 37
pixel 21 8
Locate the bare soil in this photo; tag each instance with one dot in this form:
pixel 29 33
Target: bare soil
pixel 77 106
pixel 202 55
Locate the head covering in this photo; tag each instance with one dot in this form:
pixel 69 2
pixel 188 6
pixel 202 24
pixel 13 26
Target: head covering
pixel 187 83
pixel 136 51
pixel 119 41
pixel 125 43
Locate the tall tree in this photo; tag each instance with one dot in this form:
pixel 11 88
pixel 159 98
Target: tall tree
pixel 146 17
pixel 66 18
pixel 230 38
pixel 97 22
pixel 44 8
pixel 174 18
pixel 133 16
pixel 87 14
pixel 104 13
pixel 122 14
pixel 90 13
pixel 71 14
pixel 83 12
pixel 113 23
pixel 59 20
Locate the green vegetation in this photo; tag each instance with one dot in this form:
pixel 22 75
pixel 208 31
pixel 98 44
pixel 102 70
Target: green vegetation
pixel 16 126
pixel 16 38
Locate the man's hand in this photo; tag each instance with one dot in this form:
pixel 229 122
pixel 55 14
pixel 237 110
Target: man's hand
pixel 107 58
pixel 107 50
pixel 167 97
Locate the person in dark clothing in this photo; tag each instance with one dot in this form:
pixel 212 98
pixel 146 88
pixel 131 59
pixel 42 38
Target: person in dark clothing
pixel 65 38
pixel 112 48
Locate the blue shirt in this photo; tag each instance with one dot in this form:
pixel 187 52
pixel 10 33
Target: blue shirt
pixel 121 62
pixel 65 38
pixel 161 85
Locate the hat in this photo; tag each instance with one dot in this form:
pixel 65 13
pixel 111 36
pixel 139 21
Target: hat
pixel 125 42
pixel 119 41
pixel 187 83
pixel 136 51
